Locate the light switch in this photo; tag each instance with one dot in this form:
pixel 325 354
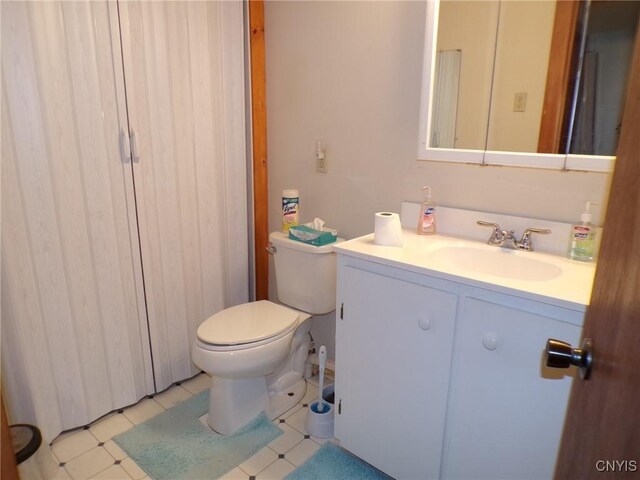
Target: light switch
pixel 520 102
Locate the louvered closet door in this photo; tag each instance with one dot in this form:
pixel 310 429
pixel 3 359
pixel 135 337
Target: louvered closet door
pixel 185 95
pixel 74 333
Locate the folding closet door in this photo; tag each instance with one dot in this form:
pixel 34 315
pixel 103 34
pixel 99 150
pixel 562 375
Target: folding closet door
pixel 184 70
pixel 74 330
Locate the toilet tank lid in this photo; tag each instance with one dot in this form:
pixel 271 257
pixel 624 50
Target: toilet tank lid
pixel 282 239
pixel 247 323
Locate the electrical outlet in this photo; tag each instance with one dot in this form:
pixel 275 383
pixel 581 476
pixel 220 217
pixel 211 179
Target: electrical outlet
pixel 520 102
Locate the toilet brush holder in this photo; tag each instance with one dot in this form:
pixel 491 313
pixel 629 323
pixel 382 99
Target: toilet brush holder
pixel 320 424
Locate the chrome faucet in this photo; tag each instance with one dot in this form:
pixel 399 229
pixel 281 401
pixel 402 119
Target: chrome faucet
pixel 499 236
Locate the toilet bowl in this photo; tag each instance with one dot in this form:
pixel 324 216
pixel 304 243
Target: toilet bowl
pixel 256 352
pixel 241 347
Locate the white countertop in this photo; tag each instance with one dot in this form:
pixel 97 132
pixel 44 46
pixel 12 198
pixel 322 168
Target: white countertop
pixel 434 255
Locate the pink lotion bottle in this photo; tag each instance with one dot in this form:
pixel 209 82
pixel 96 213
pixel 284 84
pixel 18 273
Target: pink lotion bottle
pixel 427 220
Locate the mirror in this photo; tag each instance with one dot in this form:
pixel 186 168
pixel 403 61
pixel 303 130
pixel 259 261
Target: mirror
pixel 606 61
pixel 511 78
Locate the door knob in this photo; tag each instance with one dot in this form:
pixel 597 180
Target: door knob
pixel 560 354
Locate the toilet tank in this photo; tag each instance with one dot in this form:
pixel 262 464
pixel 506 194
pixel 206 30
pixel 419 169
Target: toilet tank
pixel 305 274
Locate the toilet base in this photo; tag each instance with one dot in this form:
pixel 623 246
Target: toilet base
pixel 234 403
pixel 282 402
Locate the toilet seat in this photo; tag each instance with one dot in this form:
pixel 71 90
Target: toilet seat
pixel 247 325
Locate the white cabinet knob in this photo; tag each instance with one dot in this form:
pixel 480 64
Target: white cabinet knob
pixel 424 322
pixel 490 341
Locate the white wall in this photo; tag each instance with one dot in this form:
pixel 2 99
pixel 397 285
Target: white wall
pixel 349 73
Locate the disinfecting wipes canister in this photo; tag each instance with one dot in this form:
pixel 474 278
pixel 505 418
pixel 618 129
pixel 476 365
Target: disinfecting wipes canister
pixel 290 209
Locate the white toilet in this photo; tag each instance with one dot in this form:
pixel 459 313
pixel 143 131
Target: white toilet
pixel 256 352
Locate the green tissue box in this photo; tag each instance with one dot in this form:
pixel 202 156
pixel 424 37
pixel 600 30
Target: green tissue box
pixel 304 234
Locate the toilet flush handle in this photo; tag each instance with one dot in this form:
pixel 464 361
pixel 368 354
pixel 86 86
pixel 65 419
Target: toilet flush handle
pixel 271 248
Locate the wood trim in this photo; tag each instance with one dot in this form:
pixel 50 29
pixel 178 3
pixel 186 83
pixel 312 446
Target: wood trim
pixel 9 470
pixel 602 422
pixel 559 75
pixel 259 129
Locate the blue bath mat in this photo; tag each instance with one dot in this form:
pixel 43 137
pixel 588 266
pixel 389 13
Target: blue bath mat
pixel 175 445
pixel 331 462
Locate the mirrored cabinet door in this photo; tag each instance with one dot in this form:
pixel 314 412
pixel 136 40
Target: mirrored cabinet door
pixel 530 83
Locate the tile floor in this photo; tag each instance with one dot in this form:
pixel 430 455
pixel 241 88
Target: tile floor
pixel 90 453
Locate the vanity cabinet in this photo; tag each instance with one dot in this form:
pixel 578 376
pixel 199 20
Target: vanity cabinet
pixel 441 379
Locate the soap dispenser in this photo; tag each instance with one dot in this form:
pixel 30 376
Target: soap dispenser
pixel 427 220
pixel 582 239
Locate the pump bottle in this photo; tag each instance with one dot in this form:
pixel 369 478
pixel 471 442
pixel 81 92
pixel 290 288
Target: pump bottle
pixel 582 239
pixel 427 220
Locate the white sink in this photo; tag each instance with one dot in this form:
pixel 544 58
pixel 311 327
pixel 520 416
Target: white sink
pixel 500 262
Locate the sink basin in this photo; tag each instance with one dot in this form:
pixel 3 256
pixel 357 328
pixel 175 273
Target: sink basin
pixel 536 275
pixel 501 262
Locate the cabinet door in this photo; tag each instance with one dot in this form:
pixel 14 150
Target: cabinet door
pixel 393 352
pixel 183 64
pixel 506 409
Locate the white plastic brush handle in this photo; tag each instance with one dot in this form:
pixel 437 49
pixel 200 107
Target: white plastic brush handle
pixel 322 360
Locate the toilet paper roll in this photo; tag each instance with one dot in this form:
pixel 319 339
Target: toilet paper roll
pixel 387 230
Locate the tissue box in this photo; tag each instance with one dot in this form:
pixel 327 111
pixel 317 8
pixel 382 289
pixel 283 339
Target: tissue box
pixel 304 234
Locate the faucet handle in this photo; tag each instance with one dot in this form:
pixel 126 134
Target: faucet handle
pixel 525 243
pixel 497 236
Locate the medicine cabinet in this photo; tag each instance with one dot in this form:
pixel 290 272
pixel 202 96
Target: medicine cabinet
pixel 491 71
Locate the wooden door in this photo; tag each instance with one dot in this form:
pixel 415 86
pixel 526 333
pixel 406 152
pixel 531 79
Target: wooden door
pixel 183 64
pixel 603 423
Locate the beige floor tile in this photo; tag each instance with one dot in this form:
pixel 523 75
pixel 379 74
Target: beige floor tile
pixel 60 474
pixel 276 471
pixel 289 439
pixel 37 468
pixel 259 461
pixel 288 413
pixel 298 420
pixel 142 411
pixel 115 451
pixel 302 452
pixel 114 472
pixel 89 464
pixel 107 428
pixel 197 384
pixel 74 445
pixel 132 469
pixel 235 474
pixel 172 396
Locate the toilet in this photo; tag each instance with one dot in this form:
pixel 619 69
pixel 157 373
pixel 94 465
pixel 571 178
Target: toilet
pixel 256 352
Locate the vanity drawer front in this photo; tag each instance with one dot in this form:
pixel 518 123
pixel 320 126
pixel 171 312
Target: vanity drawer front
pixel 393 352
